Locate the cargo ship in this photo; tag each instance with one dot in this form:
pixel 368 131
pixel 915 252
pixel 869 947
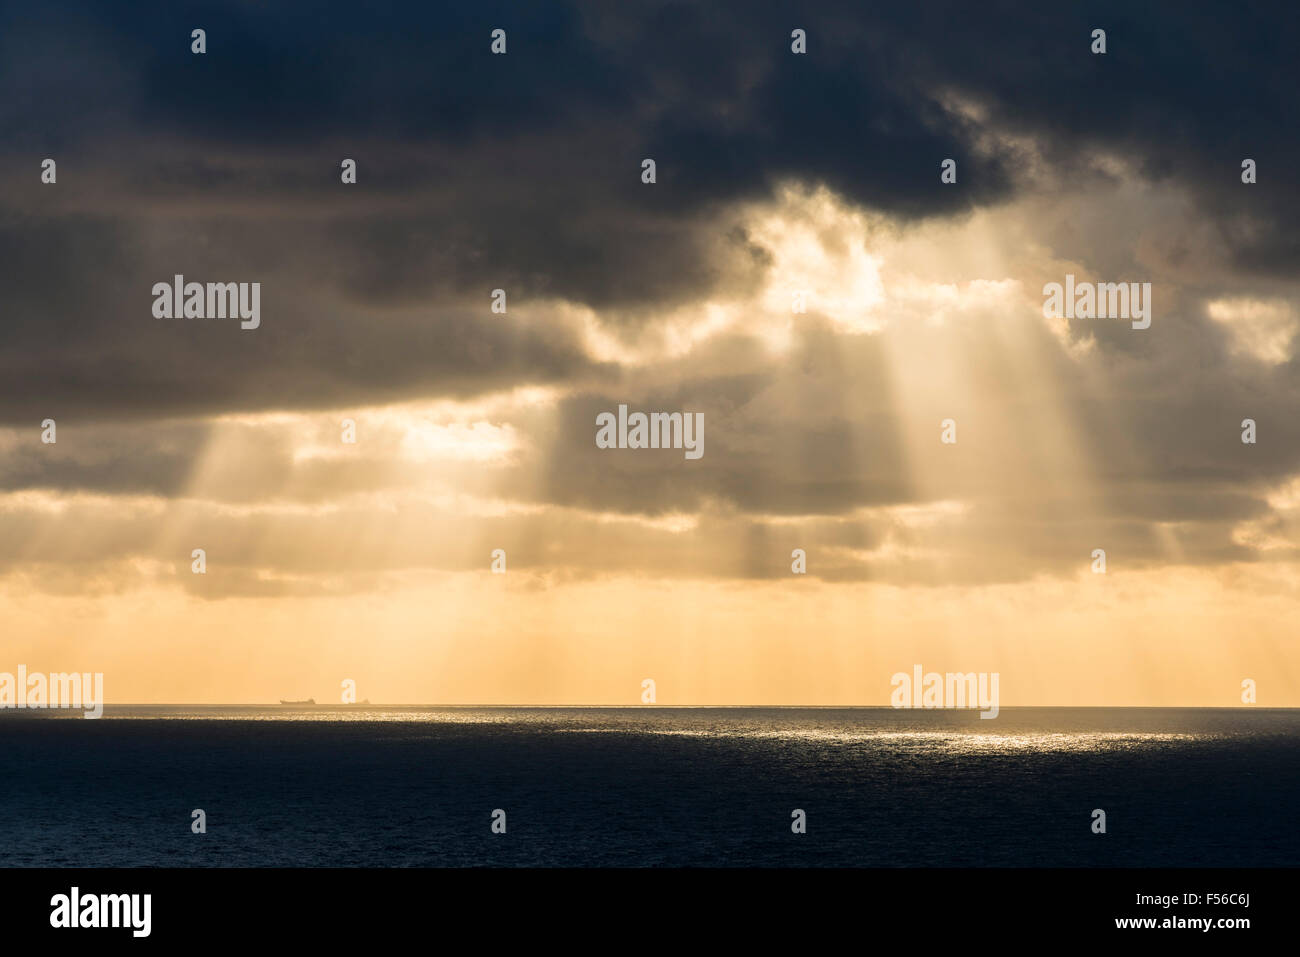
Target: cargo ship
pixel 308 701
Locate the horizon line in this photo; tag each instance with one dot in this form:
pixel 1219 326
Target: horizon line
pixel 664 707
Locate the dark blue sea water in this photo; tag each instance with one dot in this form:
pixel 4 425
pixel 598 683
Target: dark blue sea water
pixel 389 787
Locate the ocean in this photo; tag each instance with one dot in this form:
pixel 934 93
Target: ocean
pixel 649 787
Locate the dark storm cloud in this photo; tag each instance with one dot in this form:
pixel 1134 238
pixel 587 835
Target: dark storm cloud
pixel 156 459
pixel 476 172
pixel 1184 93
pixel 81 340
pixel 522 171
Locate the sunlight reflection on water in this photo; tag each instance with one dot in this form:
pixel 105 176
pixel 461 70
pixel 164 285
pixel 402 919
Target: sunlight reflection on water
pixel 957 731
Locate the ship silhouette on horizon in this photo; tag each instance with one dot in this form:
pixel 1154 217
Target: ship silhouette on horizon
pixel 312 701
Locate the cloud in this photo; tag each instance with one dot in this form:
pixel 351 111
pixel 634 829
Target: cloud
pixel 776 172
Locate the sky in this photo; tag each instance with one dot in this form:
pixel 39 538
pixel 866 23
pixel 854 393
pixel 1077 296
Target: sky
pixel 775 173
